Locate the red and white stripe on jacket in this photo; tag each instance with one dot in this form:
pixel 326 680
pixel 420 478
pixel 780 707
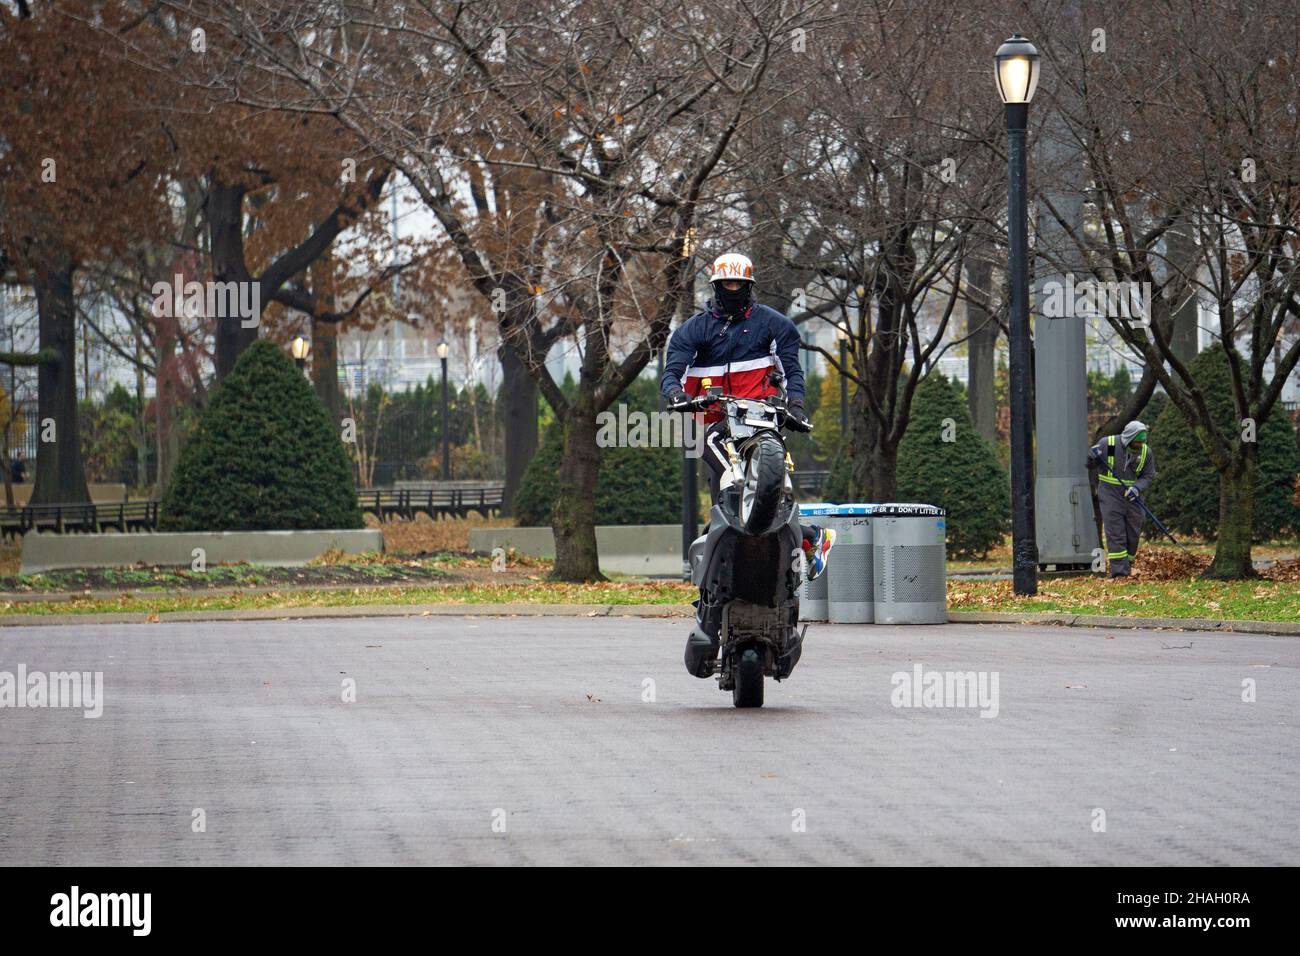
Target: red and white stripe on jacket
pixel 744 379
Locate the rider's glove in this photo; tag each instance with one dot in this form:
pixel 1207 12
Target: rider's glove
pixel 795 416
pixel 678 400
pixel 1095 455
pixel 1131 493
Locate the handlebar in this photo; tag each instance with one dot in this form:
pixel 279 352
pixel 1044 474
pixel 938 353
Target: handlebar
pixel 702 402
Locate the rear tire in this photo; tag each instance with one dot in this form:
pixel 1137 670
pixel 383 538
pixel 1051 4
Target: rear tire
pixel 748 688
pixel 760 496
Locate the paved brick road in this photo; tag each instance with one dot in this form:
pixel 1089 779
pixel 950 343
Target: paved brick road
pixel 455 719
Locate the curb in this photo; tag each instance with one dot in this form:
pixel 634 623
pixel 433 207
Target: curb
pixel 367 610
pixel 58 597
pixel 1285 628
pixel 650 611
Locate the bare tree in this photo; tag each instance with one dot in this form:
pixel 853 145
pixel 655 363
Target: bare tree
pixel 1195 130
pixel 620 116
pixel 896 182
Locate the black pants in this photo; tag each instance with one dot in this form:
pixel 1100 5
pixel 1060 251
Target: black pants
pixel 716 458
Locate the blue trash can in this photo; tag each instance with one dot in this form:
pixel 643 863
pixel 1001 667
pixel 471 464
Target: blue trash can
pixel 849 593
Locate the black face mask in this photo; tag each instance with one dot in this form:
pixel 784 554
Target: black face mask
pixel 732 303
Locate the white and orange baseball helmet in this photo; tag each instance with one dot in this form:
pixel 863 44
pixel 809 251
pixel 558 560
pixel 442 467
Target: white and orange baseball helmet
pixel 732 266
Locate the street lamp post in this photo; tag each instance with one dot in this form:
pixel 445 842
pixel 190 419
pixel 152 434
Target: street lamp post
pixel 298 349
pixel 443 349
pixel 844 381
pixel 1017 78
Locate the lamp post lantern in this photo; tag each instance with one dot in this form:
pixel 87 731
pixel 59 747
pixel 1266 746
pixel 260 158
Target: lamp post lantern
pixel 443 349
pixel 1016 72
pixel 298 348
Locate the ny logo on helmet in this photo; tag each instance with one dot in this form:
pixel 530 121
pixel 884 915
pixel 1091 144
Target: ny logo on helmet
pixel 731 266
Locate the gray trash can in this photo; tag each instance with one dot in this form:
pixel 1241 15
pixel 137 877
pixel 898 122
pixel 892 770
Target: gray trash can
pixel 909 555
pixel 812 594
pixel 849 591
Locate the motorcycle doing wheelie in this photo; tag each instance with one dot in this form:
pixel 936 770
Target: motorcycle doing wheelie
pixel 749 564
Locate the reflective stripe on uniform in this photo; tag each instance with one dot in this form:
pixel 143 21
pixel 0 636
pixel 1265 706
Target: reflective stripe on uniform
pixel 1117 554
pixel 1110 463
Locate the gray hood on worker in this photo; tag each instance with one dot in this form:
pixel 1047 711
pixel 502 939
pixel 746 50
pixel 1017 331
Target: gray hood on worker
pixel 1131 431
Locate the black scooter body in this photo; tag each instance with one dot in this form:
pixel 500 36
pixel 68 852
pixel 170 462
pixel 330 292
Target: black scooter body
pixel 749 596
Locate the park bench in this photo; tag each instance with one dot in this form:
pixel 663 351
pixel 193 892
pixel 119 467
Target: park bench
pixel 434 500
pixel 142 515
pixel 85 517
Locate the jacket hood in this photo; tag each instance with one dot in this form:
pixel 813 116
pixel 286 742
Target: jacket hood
pixel 1131 431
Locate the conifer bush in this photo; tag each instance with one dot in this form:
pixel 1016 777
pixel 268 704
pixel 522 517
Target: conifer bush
pixel 943 461
pixel 633 486
pixel 1185 494
pixel 264 456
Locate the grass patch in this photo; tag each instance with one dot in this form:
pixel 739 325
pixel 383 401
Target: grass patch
pixel 332 569
pixel 647 592
pixel 1218 600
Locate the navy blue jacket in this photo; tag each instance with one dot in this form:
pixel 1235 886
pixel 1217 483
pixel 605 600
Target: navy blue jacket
pixel 736 355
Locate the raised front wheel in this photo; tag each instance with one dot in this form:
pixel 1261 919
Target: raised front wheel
pixel 764 484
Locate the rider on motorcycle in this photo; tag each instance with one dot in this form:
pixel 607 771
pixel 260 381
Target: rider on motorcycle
pixel 738 343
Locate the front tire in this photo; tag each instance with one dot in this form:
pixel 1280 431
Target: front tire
pixel 748 688
pixel 760 496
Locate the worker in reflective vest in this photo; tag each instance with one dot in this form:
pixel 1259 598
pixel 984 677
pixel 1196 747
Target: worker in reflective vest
pixel 1125 467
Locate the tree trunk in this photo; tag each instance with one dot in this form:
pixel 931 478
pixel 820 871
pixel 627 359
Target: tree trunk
pixel 875 465
pixel 981 349
pixel 226 233
pixel 1182 260
pixel 141 423
pixel 574 517
pixel 325 368
pixel 60 476
pixel 12 410
pixel 1232 559
pixel 884 475
pixel 166 397
pixel 9 488
pixel 519 400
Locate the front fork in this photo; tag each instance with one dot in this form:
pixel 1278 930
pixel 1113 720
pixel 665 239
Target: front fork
pixel 734 474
